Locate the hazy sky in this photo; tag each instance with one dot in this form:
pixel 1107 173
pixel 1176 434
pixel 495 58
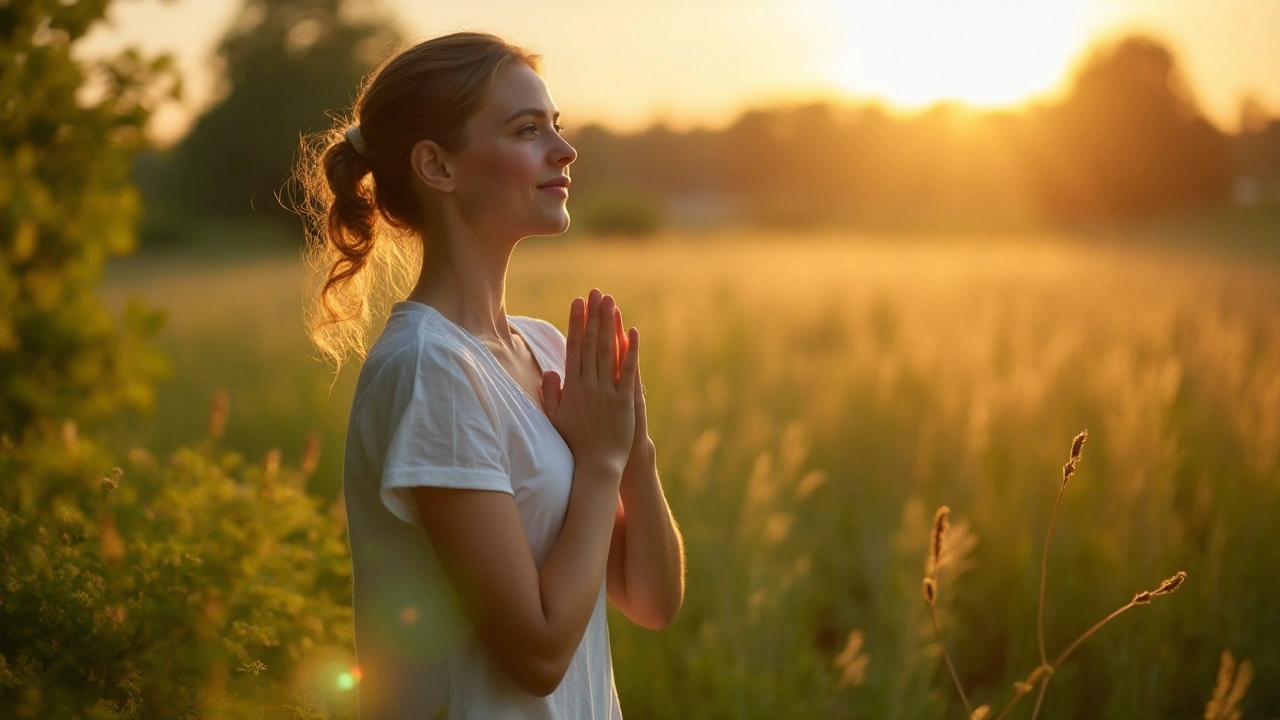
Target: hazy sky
pixel 702 61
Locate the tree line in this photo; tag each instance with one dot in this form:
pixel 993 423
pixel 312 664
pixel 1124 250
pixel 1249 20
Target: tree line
pixel 1127 141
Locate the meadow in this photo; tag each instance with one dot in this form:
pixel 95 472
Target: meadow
pixel 813 398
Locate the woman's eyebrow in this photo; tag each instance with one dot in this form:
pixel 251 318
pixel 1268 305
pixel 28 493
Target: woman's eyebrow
pixel 540 114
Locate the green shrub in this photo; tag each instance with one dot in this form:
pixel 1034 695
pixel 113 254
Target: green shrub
pixel 201 586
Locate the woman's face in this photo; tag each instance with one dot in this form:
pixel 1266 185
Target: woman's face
pixel 512 173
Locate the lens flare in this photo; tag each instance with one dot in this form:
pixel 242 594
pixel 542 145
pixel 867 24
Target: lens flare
pixel 409 615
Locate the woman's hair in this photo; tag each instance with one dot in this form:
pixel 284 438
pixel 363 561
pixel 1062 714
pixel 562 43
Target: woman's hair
pixel 364 227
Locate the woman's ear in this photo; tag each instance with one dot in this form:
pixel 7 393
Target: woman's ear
pixel 432 165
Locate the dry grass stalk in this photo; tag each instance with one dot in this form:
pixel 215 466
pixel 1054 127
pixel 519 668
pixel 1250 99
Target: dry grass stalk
pixel 1044 671
pixel 1142 598
pixel 1077 446
pixel 1232 684
pixel 937 542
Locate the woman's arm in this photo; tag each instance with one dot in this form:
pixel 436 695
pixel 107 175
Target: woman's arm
pixel 531 619
pixel 645 573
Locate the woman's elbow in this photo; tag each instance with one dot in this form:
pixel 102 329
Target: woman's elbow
pixel 538 673
pixel 659 618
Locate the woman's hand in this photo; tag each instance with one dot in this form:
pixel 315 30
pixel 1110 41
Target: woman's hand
pixel 641 444
pixel 594 410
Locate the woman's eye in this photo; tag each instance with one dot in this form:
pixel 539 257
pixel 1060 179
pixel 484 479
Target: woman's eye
pixel 532 130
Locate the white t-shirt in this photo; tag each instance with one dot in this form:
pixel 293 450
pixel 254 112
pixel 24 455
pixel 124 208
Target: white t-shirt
pixel 433 406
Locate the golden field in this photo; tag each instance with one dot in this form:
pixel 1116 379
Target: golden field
pixel 814 398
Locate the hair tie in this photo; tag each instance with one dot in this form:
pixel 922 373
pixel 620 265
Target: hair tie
pixel 357 140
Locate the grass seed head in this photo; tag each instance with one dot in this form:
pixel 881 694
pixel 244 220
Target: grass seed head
pixel 936 539
pixel 980 713
pixel 1166 587
pixel 1078 444
pixel 930 591
pixel 1171 584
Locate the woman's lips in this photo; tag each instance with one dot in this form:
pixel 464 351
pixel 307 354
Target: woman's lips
pixel 557 190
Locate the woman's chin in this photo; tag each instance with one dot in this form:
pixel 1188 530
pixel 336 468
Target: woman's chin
pixel 553 225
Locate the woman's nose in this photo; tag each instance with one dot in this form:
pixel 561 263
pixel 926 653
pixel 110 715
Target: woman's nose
pixel 565 153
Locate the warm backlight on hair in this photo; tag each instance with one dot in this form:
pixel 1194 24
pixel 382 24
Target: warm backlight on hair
pixel 985 53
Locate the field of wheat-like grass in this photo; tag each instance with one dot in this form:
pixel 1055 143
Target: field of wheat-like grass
pixel 814 399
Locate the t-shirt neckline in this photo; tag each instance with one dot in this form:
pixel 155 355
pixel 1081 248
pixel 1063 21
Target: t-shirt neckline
pixel 537 355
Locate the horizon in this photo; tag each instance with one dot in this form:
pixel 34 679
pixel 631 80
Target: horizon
pixel 780 53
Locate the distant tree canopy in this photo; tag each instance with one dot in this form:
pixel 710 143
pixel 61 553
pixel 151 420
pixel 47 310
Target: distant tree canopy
pixel 1126 142
pixel 285 64
pixel 1129 140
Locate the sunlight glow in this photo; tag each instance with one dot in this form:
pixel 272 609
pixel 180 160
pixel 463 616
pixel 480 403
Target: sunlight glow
pixel 985 53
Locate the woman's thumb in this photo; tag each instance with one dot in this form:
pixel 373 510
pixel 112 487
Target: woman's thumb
pixel 551 391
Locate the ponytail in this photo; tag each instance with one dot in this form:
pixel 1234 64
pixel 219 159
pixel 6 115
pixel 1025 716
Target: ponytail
pixel 346 240
pixel 362 219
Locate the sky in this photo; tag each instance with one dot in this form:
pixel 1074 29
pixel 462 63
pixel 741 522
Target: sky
pixel 701 62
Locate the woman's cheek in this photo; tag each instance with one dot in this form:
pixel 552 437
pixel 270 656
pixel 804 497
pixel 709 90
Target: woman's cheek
pixel 498 174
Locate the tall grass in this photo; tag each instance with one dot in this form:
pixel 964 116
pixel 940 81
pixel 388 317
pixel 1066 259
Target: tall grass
pixel 811 398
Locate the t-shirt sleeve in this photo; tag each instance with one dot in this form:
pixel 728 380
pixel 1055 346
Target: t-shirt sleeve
pixel 446 436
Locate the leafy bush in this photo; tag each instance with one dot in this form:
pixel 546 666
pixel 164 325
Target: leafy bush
pixel 194 587
pixel 200 586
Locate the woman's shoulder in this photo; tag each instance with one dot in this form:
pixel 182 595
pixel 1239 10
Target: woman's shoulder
pixel 415 346
pixel 549 342
pixel 543 329
pixel 539 326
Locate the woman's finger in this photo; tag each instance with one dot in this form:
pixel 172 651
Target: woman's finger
pixel 573 342
pixel 631 364
pixel 591 338
pixel 551 392
pixel 605 349
pixel 620 341
pixel 642 413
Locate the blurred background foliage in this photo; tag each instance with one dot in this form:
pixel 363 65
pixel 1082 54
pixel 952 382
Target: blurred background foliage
pixel 853 318
pixel 172 589
pixel 1126 143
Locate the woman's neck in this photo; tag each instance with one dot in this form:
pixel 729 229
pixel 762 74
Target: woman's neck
pixel 465 280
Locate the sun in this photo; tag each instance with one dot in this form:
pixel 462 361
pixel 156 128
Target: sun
pixel 985 53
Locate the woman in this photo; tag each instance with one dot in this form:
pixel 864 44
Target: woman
pixel 491 508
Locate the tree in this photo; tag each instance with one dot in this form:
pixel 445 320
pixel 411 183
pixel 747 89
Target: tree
pixel 65 206
pixel 1129 141
pixel 286 63
pixel 198 584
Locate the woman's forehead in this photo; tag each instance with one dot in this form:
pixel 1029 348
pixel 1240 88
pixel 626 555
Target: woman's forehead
pixel 518 90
